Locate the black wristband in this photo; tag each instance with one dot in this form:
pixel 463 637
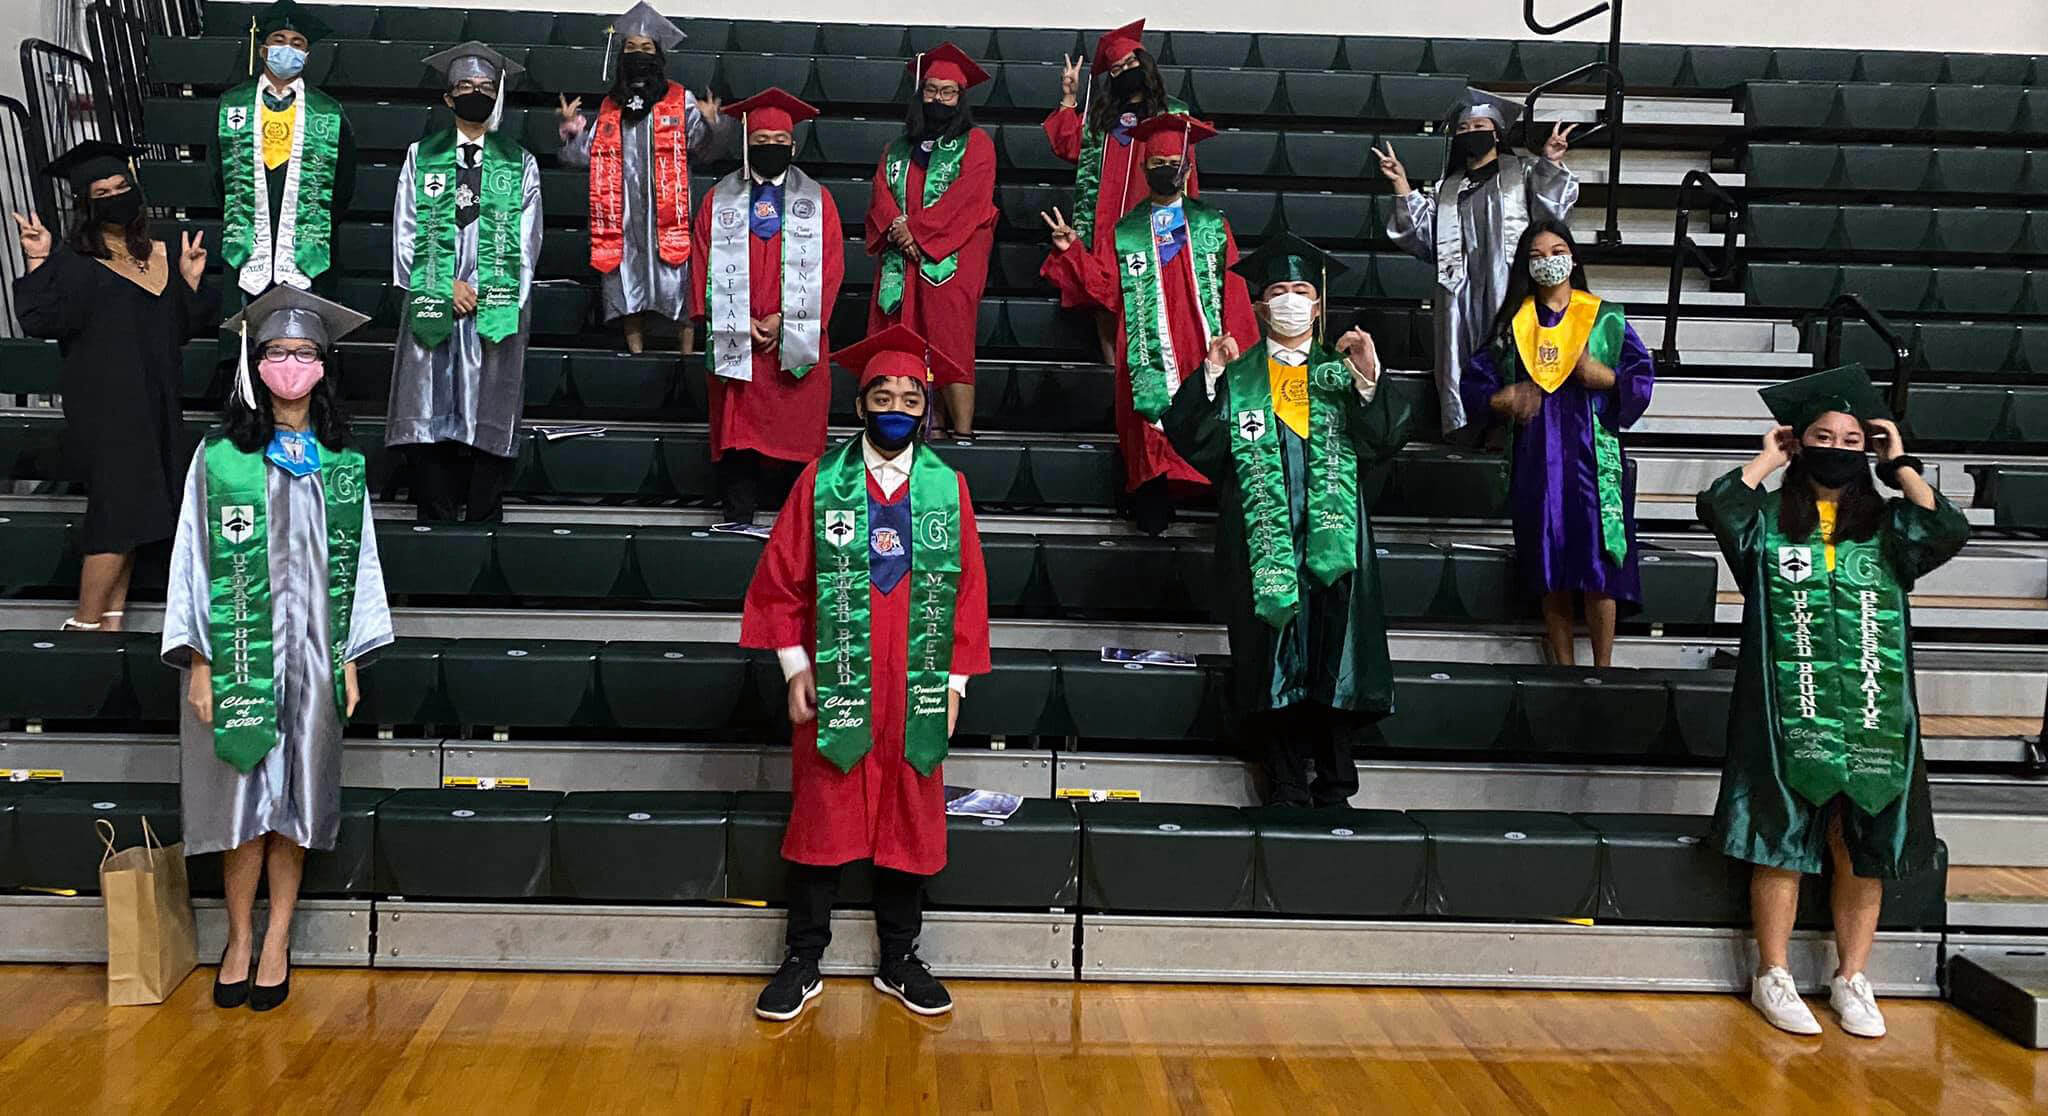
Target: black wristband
pixel 1888 471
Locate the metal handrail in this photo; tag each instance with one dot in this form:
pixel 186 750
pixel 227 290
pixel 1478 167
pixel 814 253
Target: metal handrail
pixel 1685 250
pixel 1529 17
pixel 1610 234
pixel 1848 303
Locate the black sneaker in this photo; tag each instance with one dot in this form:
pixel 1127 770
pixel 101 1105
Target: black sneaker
pixel 794 985
pixel 910 980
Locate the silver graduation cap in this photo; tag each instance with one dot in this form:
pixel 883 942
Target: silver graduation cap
pixel 642 19
pixel 1478 102
pixel 287 313
pixel 475 60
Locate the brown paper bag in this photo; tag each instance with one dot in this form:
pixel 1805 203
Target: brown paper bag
pixel 149 918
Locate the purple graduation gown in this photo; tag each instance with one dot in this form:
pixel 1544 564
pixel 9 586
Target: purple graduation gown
pixel 1553 491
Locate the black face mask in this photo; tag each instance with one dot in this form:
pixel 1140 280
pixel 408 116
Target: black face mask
pixel 769 159
pixel 938 116
pixel 1163 179
pixel 1128 85
pixel 1832 466
pixel 474 108
pixel 117 209
pixel 1467 146
pixel 639 65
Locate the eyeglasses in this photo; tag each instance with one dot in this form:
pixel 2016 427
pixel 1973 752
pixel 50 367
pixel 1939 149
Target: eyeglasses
pixel 303 356
pixel 473 85
pixel 946 93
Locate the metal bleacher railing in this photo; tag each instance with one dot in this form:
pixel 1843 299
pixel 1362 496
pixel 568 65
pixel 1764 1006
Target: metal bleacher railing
pixel 21 191
pixel 1850 304
pixel 1685 250
pixel 1610 67
pixel 68 104
pixel 119 37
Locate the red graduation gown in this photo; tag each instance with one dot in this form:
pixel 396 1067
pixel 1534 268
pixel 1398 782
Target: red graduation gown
pixel 776 414
pixel 963 222
pixel 882 809
pixel 1122 179
pixel 1145 449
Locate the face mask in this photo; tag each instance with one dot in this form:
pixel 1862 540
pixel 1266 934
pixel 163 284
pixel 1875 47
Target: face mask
pixel 1549 271
pixel 1290 314
pixel 284 60
pixel 118 209
pixel 1127 85
pixel 474 108
pixel 892 430
pixel 1832 466
pixel 1163 179
pixel 641 65
pixel 290 379
pixel 769 159
pixel 938 116
pixel 1468 146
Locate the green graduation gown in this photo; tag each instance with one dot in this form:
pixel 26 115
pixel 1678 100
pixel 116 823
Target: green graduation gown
pixel 1760 818
pixel 1334 651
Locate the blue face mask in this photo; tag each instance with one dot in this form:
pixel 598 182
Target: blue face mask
pixel 892 430
pixel 284 61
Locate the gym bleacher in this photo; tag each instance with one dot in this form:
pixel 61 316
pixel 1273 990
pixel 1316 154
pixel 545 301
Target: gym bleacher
pixel 579 658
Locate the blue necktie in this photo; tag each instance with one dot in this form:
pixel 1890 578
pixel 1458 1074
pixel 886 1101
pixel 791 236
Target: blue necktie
pixel 765 216
pixel 888 541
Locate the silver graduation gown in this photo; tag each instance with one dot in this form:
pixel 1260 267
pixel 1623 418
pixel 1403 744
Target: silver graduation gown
pixel 296 790
pixel 1464 314
pixel 466 390
pixel 643 283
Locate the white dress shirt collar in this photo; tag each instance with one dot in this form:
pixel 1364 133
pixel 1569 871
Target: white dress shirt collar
pixel 1285 354
pixel 890 473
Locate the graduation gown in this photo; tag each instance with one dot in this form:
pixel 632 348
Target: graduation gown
pixel 1094 273
pixel 123 430
pixel 466 390
pixel 274 179
pixel 1759 818
pixel 964 223
pixel 883 809
pixel 1334 650
pixel 295 791
pixel 1464 314
pixel 775 414
pixel 1121 186
pixel 643 282
pixel 1553 478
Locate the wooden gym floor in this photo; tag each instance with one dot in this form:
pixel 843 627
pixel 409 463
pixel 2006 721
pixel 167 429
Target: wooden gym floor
pixel 502 1043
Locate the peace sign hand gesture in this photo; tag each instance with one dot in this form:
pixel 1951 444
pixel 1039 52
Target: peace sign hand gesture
pixel 1391 168
pixel 571 112
pixel 708 104
pixel 1070 78
pixel 35 239
pixel 1559 141
pixel 1064 235
pixel 192 258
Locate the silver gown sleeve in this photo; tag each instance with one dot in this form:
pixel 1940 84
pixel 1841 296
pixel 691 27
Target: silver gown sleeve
pixel 1553 189
pixel 530 229
pixel 576 152
pixel 1412 224
pixel 705 134
pixel 369 626
pixel 188 598
pixel 402 223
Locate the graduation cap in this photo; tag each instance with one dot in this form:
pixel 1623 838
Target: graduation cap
pixel 286 313
pixel 1287 258
pixel 1113 45
pixel 641 19
pixel 1478 102
pixel 1172 133
pixel 91 160
pixel 896 351
pixel 947 62
pixel 1847 389
pixel 474 60
pixel 288 15
pixel 770 110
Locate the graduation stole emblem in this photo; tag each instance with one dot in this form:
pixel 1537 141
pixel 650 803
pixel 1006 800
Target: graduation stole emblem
pixel 301 246
pixel 500 249
pixel 239 604
pixel 1838 668
pixel 1547 355
pixel 845 662
pixel 1088 174
pixel 1148 337
pixel 939 173
pixel 1262 486
pixel 671 149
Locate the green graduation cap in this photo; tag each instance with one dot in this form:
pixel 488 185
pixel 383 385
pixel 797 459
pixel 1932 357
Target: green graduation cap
pixel 1847 389
pixel 1286 258
pixel 288 15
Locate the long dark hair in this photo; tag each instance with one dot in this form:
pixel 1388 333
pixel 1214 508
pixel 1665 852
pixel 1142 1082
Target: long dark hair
pixel 250 428
pixel 1859 509
pixel 87 240
pixel 618 92
pixel 1104 108
pixel 913 118
pixel 1521 285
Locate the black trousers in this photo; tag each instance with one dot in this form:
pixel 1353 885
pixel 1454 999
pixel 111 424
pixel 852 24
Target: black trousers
pixel 452 481
pixel 1292 740
pixel 744 477
pixel 1152 509
pixel 899 909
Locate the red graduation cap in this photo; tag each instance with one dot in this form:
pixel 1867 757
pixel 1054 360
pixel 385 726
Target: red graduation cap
pixel 947 63
pixel 771 110
pixel 1115 44
pixel 1171 133
pixel 896 351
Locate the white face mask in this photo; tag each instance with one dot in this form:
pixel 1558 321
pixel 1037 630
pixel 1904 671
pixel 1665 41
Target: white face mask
pixel 1290 314
pixel 1549 271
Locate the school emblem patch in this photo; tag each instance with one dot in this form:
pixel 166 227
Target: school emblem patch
pixel 886 542
pixel 1795 563
pixel 1252 424
pixel 434 184
pixel 237 522
pixel 238 118
pixel 803 208
pixel 839 527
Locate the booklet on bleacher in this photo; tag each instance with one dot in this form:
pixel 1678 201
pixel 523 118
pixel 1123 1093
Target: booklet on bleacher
pixel 1143 656
pixel 972 803
pixel 557 433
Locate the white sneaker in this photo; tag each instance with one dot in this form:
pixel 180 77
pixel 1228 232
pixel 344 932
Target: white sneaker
pixel 1777 998
pixel 1856 1006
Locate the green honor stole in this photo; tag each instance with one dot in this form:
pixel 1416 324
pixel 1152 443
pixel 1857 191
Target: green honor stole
pixel 500 249
pixel 302 244
pixel 1838 667
pixel 1088 173
pixel 1546 357
pixel 1332 504
pixel 1148 337
pixel 240 605
pixel 845 685
pixel 939 173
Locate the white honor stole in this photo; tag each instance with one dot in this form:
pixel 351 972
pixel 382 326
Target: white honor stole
pixel 275 259
pixel 730 296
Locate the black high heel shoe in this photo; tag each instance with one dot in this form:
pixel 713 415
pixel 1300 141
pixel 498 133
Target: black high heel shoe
pixel 234 995
pixel 264 997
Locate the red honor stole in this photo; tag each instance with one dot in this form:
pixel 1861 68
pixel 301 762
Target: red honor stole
pixel 671 184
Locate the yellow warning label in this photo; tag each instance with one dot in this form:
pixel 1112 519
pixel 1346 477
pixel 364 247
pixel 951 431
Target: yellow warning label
pixel 1099 794
pixel 31 774
pixel 485 782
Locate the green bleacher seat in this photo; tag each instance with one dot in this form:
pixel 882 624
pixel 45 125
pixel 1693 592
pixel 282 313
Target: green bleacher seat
pixel 401 684
pixel 1985 69
pixel 1539 60
pixel 1979 231
pixel 1885 108
pixel 1236 152
pixel 1422 155
pixel 1973 170
pixel 1403 277
pixel 1662 868
pixel 1039 44
pixel 349 868
pixel 863 81
pixel 1978 290
pixel 1966 346
pixel 1169 857
pixel 690 564
pixel 435 559
pixel 1655 65
pixel 754 865
pixel 1069 397
pixel 1338 863
pixel 1208 48
pixel 1907 66
pixel 2033 347
pixel 692 686
pixel 183 120
pixel 1031 859
pixel 1791 285
pixel 1250 212
pixel 1030 86
pixel 1891 288
pixel 1412 579
pixel 1699 710
pixel 11 793
pixel 1039 325
pixel 1859 342
pixel 1885 228
pixel 1485 582
pixel 2017 493
pixel 583 68
pixel 1447 707
pixel 1788 104
pixel 55 831
pixel 1078 475
pixel 46 675
pixel 590 29
pixel 1792 226
pixel 1298 52
pixel 1720 67
pixel 551 560
pixel 156 692
pixel 29 366
pixel 1793 166
pixel 1484 61
pixel 179 185
pixel 1957 412
pixel 1011 564
pixel 1213 92
pixel 1421 97
pixel 388 127
pixel 1131 701
pixel 1889 167
pixel 686 462
pixel 1976 108
pixel 547 376
pixel 974 40
pixel 1015 699
pixel 1522 865
pixel 1326 218
pixel 712 35
pixel 40 550
pixel 1385 54
pixel 467 844
pixel 744 74
pixel 1448 484
pixel 1811 64
pixel 1332 95
pixel 511 27
pixel 621 382
pixel 1112 576
pixel 641 846
pixel 532 683
pixel 2034 111
pixel 422 25
pixel 2027 416
pixel 855 142
pixel 2035 301
pixel 616 463
pixel 1325 154
pixel 30 450
pixel 393 66
pixel 1678 587
pixel 1591 711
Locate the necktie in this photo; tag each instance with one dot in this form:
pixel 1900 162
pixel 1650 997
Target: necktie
pixel 469 184
pixel 764 218
pixel 277 103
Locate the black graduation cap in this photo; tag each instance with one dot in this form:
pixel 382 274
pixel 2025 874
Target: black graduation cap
pixel 1847 389
pixel 288 15
pixel 1286 258
pixel 92 160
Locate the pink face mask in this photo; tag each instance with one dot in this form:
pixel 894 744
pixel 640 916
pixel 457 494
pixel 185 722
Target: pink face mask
pixel 290 379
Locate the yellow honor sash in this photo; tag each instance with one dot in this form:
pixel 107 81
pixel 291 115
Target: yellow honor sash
pixel 1290 394
pixel 1550 353
pixel 277 136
